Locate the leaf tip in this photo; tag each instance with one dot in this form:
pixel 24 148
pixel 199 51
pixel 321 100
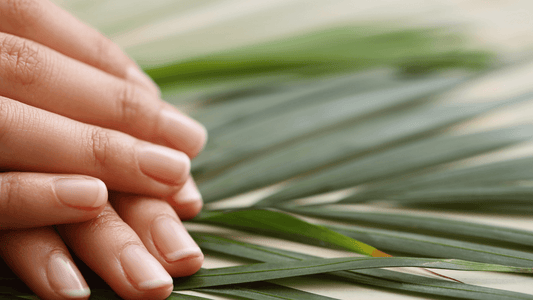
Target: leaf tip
pixel 378 253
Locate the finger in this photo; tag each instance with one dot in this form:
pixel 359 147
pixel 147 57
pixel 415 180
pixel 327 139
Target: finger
pixel 49 25
pixel 34 200
pixel 81 92
pixel 113 251
pixel 40 258
pixel 38 141
pixel 162 233
pixel 188 201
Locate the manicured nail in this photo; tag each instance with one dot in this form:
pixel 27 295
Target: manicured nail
pixel 81 192
pixel 65 278
pixel 183 132
pixel 143 269
pixel 164 164
pixel 136 75
pixel 173 241
pixel 189 193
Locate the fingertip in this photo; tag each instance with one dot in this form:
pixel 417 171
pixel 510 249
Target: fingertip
pixel 189 210
pixel 164 164
pixel 178 252
pixel 143 270
pixel 182 132
pixel 65 278
pixel 40 258
pixel 188 201
pixel 187 267
pixel 102 194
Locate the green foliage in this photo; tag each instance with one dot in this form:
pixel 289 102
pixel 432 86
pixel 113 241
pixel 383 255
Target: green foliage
pixel 347 49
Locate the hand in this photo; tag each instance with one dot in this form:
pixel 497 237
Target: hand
pixel 72 103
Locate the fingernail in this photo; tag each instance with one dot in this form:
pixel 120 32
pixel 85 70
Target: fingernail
pixel 78 192
pixel 173 240
pixel 136 75
pixel 143 269
pixel 65 278
pixel 189 193
pixel 183 132
pixel 164 164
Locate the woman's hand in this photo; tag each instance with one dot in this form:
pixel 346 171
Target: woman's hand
pixel 133 247
pixel 72 103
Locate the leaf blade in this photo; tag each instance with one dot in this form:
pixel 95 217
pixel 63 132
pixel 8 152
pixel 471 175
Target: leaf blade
pixel 269 271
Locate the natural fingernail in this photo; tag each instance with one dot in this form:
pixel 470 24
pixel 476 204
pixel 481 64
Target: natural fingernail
pixel 78 192
pixel 188 193
pixel 136 75
pixel 183 132
pixel 173 241
pixel 164 164
pixel 65 278
pixel 143 269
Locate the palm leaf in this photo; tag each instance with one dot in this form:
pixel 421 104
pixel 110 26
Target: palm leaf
pixel 268 271
pixel 374 277
pixel 264 291
pixel 400 161
pixel 427 246
pixel 481 233
pixel 287 125
pixel 284 225
pixel 338 146
pixel 503 172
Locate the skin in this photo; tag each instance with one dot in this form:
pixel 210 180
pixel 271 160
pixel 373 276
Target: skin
pixel 78 118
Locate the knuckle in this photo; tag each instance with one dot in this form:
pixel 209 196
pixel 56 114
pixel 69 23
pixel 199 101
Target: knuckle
pixel 10 188
pixel 129 106
pixel 10 115
pixel 5 116
pixel 99 143
pixel 20 59
pixel 106 220
pixel 22 14
pixel 104 50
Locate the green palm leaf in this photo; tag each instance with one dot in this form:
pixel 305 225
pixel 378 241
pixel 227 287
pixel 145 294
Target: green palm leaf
pixel 400 161
pixel 427 246
pixel 264 291
pixel 284 225
pixel 434 226
pixel 374 277
pixel 268 271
